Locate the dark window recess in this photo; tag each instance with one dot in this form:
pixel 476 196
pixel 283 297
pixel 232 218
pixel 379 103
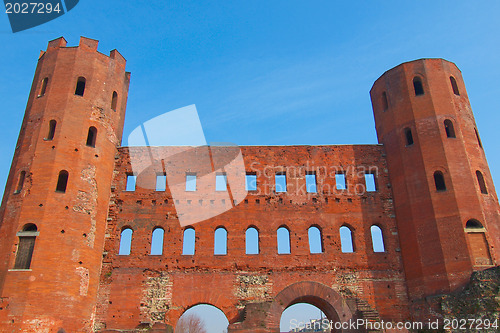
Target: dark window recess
pixel 418 86
pixel 409 136
pixel 25 247
pixel 478 139
pixel 80 86
pixel 385 103
pixel 473 224
pixel 114 101
pixel 43 88
pixel 62 181
pixel 20 183
pixel 450 130
pixel 52 129
pixel 91 136
pixel 439 181
pixel 480 181
pixel 454 86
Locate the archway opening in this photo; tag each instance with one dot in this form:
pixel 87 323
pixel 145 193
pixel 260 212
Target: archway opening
pixel 303 316
pixel 202 318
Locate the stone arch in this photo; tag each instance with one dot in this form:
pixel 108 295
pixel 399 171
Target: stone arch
pixel 207 296
pixel 333 305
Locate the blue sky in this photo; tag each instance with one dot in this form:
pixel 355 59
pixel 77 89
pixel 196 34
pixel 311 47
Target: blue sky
pixel 267 73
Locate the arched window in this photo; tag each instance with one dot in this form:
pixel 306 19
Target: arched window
pixel 478 139
pixel 114 100
pixel 377 239
pixel 346 239
pixel 454 86
pixel 26 246
pixel 125 242
pixel 283 236
pixel 478 243
pixel 450 130
pixel 418 86
pixel 80 86
pixel 473 224
pixel 157 241
pixel 43 88
pixel 439 181
pixel 252 241
pixel 188 243
pixel 408 136
pixel 480 181
pixel 91 136
pixel 220 241
pixel 315 240
pixel 62 181
pixel 20 182
pixel 52 129
pixel 385 102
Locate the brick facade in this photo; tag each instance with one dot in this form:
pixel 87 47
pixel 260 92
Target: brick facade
pixel 433 239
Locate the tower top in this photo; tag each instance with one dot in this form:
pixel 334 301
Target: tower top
pixel 86 44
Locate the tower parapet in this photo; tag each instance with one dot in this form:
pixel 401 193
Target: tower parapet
pixel 445 202
pixel 53 215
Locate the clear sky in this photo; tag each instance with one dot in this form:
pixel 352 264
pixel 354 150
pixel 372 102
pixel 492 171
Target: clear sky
pixel 267 72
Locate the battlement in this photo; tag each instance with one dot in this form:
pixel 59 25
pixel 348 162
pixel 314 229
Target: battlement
pixel 85 44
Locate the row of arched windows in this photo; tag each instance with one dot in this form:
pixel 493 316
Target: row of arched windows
pixel 79 90
pixel 440 183
pixel 252 240
pixel 448 128
pixel 91 135
pixel 418 89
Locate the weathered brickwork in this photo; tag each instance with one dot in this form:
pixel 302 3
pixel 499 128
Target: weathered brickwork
pixel 439 221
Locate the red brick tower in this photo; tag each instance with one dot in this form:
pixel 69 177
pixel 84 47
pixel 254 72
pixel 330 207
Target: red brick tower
pixel 54 210
pixel 446 208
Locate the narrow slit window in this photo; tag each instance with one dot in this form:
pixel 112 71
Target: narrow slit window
pixel 62 181
pixel 20 182
pixel 480 181
pixel 251 182
pixel 478 139
pixel 221 182
pixel 439 181
pixel 91 137
pixel 450 130
pixel 188 241
pixel 408 136
pixel 280 181
pixel 311 185
pixel 385 103
pixel 43 87
pixel 161 182
pixel 220 241
pixel 418 86
pixel 346 240
pixel 370 182
pixel 252 241
pixel 283 237
pixel 52 130
pixel 340 181
pixel 125 242
pixel 377 239
pixel 114 101
pixel 26 246
pixel 157 242
pixel 80 86
pixel 191 182
pixel 454 86
pixel 131 183
pixel 315 240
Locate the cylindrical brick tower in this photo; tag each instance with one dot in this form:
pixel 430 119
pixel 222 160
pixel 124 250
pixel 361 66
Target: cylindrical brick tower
pixel 447 211
pixel 54 210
